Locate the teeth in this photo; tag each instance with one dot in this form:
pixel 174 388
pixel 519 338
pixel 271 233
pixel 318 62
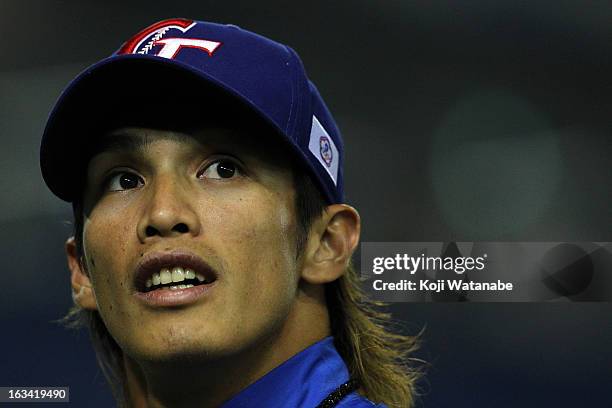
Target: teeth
pixel 165 275
pixel 174 275
pixel 175 287
pixel 178 274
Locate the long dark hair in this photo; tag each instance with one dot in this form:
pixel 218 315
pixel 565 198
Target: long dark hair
pixel 377 356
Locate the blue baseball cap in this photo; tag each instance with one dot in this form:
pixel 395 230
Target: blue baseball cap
pixel 261 75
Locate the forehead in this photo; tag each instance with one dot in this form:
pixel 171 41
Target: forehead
pixel 243 137
pixel 261 151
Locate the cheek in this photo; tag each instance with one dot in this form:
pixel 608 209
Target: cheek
pixel 109 230
pixel 105 244
pixel 258 238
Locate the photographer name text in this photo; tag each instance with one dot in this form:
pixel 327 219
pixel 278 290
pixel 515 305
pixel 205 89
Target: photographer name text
pixel 441 285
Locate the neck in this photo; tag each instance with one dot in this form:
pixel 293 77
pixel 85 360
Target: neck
pixel 205 382
pixel 201 383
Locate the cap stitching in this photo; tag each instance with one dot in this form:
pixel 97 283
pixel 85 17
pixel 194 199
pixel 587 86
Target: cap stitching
pixel 292 94
pixel 156 37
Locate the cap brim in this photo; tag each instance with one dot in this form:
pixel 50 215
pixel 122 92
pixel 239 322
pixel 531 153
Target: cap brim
pixel 122 90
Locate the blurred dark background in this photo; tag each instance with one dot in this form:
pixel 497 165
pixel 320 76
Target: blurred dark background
pixel 471 120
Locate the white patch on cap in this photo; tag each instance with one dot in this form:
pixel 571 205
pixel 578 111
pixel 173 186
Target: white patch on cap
pixel 324 149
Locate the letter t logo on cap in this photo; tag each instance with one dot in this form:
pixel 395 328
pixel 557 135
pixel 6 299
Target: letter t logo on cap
pixel 172 46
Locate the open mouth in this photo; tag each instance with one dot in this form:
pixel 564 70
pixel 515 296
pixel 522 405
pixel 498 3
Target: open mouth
pixel 172 272
pixel 174 278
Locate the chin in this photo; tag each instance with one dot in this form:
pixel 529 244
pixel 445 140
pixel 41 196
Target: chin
pixel 173 354
pixel 172 347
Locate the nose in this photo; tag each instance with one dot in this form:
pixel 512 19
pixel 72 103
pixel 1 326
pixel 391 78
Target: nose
pixel 169 211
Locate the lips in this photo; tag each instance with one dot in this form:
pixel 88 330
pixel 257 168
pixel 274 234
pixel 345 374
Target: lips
pixel 179 288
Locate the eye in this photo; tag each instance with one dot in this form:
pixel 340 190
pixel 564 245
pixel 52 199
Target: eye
pixel 221 169
pixel 124 181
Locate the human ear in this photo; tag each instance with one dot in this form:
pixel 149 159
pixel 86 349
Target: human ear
pixel 82 292
pixel 331 242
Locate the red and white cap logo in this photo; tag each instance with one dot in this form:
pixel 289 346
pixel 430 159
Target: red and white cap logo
pixel 160 40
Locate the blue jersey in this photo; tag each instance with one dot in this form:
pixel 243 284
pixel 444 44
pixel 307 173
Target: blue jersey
pixel 303 381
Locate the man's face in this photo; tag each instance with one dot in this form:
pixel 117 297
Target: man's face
pixel 218 194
